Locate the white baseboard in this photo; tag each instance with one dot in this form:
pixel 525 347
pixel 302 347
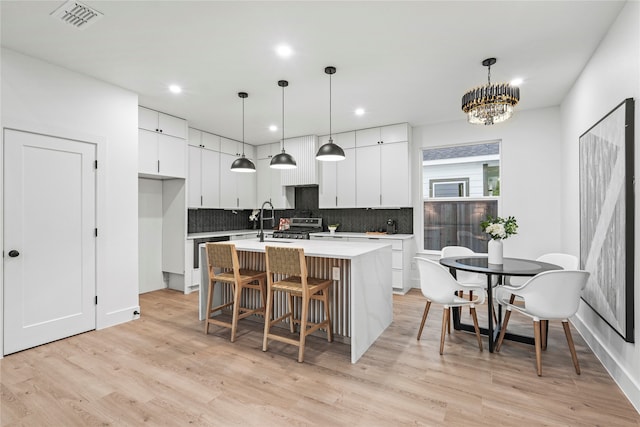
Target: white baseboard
pixel 629 386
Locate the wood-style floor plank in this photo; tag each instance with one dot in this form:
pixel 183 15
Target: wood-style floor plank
pixel 163 370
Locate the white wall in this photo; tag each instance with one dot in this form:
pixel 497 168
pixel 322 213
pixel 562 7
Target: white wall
pixel 530 173
pixel 611 75
pixel 37 96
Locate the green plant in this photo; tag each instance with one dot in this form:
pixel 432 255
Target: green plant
pixel 499 228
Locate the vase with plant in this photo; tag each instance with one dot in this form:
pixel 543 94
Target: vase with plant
pixel 498 230
pixel 333 228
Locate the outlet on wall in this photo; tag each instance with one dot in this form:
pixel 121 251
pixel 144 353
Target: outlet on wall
pixel 336 273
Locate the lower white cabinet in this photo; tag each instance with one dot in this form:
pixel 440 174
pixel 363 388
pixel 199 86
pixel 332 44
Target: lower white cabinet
pixel 402 252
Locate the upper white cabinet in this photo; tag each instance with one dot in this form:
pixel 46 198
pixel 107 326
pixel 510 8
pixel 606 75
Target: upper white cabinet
pixel 269 186
pixel 161 154
pixel 303 149
pixel 156 121
pixel 203 180
pixel 382 135
pixel 382 167
pixel 237 189
pixel 338 179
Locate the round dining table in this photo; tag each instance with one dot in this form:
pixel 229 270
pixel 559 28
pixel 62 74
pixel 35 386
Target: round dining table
pixel 509 267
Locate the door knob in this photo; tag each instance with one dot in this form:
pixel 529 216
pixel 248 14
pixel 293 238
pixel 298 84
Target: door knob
pixel 13 253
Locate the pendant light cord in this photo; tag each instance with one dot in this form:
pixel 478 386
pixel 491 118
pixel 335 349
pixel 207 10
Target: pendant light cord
pixel 330 136
pixel 242 127
pixel 283 119
pixel 489 76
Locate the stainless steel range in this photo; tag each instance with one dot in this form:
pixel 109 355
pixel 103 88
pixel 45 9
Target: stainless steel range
pixel 300 228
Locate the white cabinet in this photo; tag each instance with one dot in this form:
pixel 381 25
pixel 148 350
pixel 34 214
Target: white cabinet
pixel 162 145
pixel 338 179
pixel 237 190
pixel 382 135
pixel 402 252
pixel 203 181
pixel 161 155
pixel 303 149
pixel 269 186
pixel 233 147
pixel 382 167
pixel 156 121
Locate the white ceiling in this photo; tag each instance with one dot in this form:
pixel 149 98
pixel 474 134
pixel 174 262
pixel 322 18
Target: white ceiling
pixel 401 61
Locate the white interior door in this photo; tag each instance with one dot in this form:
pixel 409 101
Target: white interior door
pixel 49 239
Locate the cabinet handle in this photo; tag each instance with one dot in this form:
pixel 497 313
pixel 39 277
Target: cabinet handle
pixel 158 166
pixel 237 202
pixel 200 200
pixel 336 200
pixel 381 200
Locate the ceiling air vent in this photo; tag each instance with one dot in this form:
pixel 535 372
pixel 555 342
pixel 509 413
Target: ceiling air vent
pixel 76 14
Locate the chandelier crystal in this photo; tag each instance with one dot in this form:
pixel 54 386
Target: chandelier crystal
pixel 491 103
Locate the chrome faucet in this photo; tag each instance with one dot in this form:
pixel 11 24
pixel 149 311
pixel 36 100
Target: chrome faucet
pixel 262 218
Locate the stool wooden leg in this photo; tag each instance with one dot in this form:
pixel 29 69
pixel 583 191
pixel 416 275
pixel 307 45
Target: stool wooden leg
pixel 237 292
pixel 424 318
pixel 208 311
pixel 267 318
pixel 303 329
pixel 327 315
pixel 292 325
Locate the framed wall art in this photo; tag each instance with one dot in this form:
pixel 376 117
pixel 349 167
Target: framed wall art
pixel 607 217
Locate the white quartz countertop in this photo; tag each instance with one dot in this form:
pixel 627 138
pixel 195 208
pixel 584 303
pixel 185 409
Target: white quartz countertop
pixel 314 248
pixel 223 233
pixel 365 235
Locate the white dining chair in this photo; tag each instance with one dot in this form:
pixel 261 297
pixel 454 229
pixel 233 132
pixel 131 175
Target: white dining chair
pixel 552 295
pixel 439 286
pixel 466 277
pixel 566 261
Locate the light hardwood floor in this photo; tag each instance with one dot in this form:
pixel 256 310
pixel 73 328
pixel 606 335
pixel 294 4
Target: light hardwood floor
pixel 163 370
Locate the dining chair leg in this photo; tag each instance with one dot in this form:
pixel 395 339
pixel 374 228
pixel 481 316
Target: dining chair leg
pixel 445 318
pixel 543 333
pixel 574 356
pixel 536 337
pixel 475 325
pixel 503 330
pixel 424 318
pixel 449 319
pixel 470 299
pixel 267 319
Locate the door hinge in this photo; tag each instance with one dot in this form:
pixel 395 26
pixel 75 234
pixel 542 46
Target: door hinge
pixel 96 299
pixel 95 230
pixel 95 164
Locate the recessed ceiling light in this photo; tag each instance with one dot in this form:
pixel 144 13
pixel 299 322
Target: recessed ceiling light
pixel 359 111
pixel 284 51
pixel 175 89
pixel 273 128
pixel 516 82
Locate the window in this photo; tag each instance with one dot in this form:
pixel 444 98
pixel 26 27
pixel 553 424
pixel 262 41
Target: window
pixel 460 188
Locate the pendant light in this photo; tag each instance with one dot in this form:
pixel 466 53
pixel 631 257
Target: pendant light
pixel 330 152
pixel 242 164
pixel 283 160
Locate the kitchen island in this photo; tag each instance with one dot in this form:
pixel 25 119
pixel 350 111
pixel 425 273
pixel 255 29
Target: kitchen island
pixel 361 295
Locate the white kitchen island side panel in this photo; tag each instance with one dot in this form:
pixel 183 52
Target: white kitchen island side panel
pixel 361 300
